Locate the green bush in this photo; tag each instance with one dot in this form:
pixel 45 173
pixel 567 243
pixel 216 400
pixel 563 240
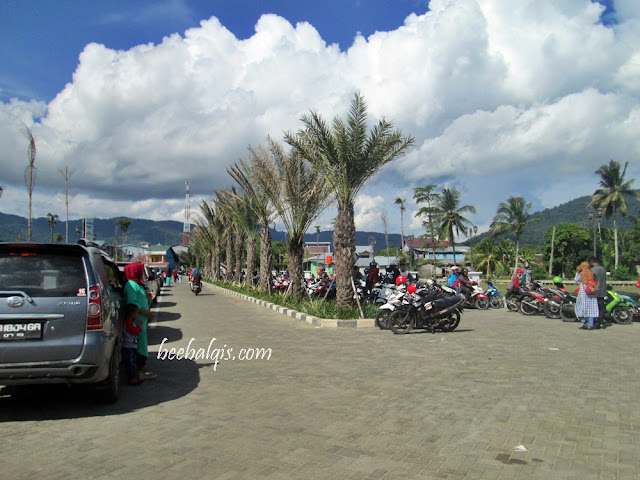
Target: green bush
pixel 316 306
pixel 622 273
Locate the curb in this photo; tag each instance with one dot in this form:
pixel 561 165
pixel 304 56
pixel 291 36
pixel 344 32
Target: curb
pixel 318 322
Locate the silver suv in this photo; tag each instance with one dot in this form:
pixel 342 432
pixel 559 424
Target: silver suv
pixel 60 316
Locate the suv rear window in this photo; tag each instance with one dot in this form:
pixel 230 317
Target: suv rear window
pixel 42 274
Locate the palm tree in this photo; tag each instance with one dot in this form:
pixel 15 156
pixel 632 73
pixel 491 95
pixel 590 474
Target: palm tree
pixel 427 195
pixel 512 217
pixel 347 158
pixel 449 213
pixel 401 201
pixel 222 202
pixel 489 257
pixel 30 173
pixel 208 233
pixel 66 174
pixel 124 223
pixel 298 193
pixel 610 195
pixel 243 173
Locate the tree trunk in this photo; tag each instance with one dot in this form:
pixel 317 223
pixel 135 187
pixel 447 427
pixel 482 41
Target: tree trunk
pixel 615 239
pixel 216 260
pixel 229 259
pixel 239 245
pixel 266 257
pixel 296 273
pixel 517 252
pixel 251 260
pixel 344 238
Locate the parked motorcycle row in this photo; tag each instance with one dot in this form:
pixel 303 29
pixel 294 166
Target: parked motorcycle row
pixel 425 305
pixel 435 307
pixel 558 302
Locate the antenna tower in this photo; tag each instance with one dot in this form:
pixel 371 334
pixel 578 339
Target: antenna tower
pixel 186 229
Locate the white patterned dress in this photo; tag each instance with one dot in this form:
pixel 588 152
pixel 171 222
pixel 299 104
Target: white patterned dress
pixel 586 305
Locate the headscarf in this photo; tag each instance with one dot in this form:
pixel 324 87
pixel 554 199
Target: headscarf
pixel 134 272
pixel 196 271
pixel 586 275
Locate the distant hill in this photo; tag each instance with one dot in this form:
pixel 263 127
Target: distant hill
pixel 574 211
pixel 170 232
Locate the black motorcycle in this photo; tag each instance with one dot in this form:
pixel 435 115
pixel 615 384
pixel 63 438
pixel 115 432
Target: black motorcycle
pixel 428 309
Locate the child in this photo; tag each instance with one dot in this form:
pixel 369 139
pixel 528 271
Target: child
pixel 130 348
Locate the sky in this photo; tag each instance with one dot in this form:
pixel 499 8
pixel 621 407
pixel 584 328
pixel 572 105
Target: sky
pixel 503 98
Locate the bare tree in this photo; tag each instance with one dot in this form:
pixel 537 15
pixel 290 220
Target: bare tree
pixel 30 173
pixel 66 173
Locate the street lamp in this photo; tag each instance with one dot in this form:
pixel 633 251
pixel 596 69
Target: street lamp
pixel 52 220
pixel 475 230
pixel 595 216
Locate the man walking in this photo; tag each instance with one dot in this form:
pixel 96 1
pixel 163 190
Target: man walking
pixel 600 276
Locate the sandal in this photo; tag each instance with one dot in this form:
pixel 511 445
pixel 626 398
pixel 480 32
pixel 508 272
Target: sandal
pixel 147 375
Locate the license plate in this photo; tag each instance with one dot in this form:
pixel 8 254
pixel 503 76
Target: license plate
pixel 21 331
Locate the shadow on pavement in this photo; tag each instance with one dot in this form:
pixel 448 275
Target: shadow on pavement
pixel 158 333
pixel 168 317
pixel 165 304
pixel 176 378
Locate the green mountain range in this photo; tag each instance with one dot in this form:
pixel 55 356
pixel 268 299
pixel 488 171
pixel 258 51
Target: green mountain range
pixel 13 227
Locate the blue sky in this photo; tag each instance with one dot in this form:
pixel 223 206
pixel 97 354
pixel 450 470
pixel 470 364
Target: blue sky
pixel 503 98
pixel 41 39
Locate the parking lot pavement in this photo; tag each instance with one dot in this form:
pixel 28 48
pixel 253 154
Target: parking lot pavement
pixel 344 403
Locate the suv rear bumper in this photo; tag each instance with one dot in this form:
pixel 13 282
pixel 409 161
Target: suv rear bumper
pixel 92 365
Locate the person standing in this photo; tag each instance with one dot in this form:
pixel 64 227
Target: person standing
pixel 586 305
pixel 130 347
pixel 134 293
pixel 600 276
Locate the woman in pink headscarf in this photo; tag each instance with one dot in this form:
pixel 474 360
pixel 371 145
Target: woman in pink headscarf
pixel 135 293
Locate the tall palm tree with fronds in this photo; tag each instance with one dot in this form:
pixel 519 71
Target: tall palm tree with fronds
pixel 401 202
pixel 243 173
pixel 347 158
pixel 512 217
pixel 427 195
pixel 611 195
pixel 298 194
pixel 222 202
pixel 448 213
pixel 30 173
pixel 209 232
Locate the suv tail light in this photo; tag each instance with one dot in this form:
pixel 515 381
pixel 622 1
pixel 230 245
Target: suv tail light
pixel 94 318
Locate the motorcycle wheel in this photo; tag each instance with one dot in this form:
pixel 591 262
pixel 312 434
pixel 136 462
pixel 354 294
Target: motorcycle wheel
pixel 527 308
pixel 496 301
pixel 401 321
pixel 382 319
pixel 622 315
pixel 568 313
pixel 552 310
pixel 512 304
pixel 482 303
pixel 453 320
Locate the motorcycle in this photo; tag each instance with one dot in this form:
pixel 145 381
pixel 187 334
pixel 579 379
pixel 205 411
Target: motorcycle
pixel 429 309
pixel 394 300
pixel 478 299
pixel 196 284
pixel 495 297
pixel 617 309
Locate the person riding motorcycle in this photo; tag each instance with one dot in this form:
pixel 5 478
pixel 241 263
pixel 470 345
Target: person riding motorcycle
pixel 517 284
pixel 464 283
pixel 373 276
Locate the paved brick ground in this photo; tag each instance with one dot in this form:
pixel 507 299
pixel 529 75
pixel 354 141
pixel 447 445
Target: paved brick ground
pixel 345 403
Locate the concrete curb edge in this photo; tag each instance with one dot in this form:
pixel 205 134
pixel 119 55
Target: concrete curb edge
pixel 318 322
